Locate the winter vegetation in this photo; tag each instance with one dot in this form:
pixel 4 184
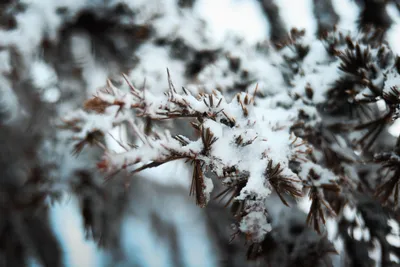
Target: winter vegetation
pixel 191 133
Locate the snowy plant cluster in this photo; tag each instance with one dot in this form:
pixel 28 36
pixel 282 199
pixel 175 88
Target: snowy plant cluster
pixel 293 119
pixel 256 142
pixel 247 147
pixel 296 119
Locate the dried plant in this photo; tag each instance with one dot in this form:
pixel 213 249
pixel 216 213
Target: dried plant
pixel 260 127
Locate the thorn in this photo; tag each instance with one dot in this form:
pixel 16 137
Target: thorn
pixel 219 102
pixel 254 94
pixel 171 85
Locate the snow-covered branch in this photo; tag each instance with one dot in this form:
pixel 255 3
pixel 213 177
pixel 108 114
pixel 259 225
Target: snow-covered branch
pixel 239 142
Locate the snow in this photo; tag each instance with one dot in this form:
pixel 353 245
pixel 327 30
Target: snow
pixel 209 186
pixel 5 63
pixel 68 226
pixel 8 102
pixel 325 176
pixel 319 73
pixel 392 82
pixel 394 237
pixel 43 75
pixel 348 13
pixel 90 122
pixel 144 243
pixel 252 222
pixel 257 136
pixel 394 31
pixel 38 20
pixel 152 68
pixel 52 95
pixel 298 14
pixel 261 67
pixel 180 218
pixel 227 18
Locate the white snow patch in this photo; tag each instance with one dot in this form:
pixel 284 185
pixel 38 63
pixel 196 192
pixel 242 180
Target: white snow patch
pixel 68 227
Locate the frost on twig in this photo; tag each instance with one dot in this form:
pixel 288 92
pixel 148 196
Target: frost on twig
pixel 249 148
